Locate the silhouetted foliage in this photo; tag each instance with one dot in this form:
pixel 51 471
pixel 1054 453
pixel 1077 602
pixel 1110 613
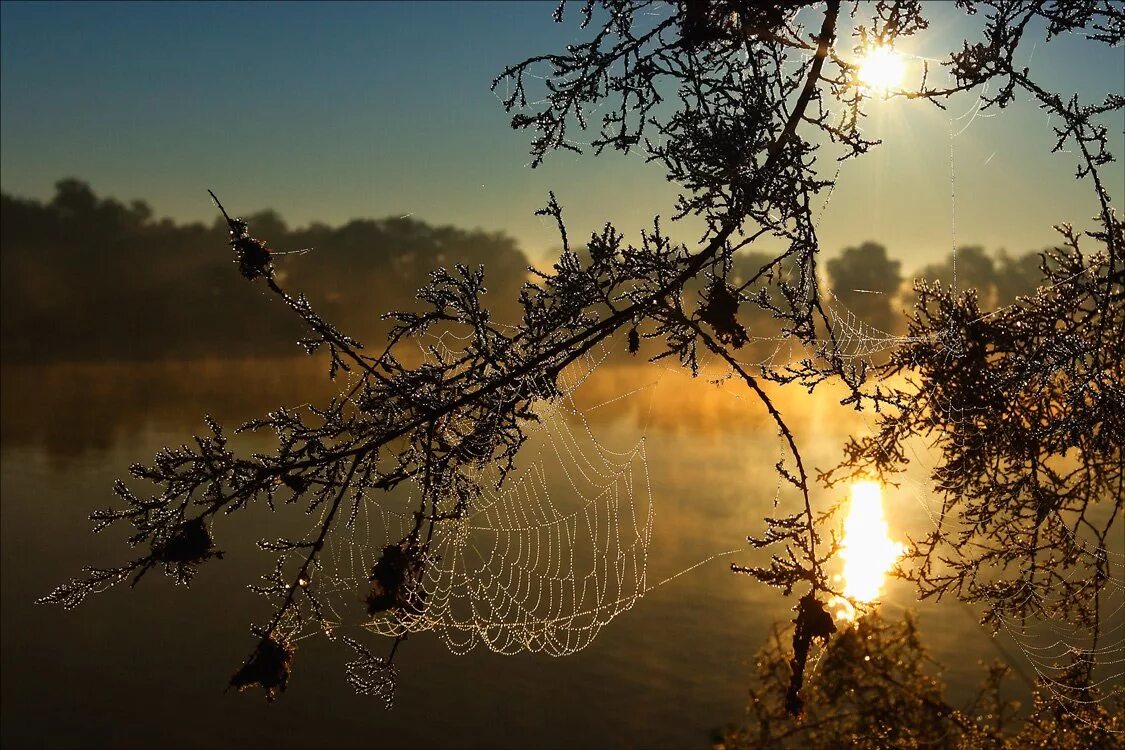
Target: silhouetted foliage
pixel 253 256
pixel 875 687
pixel 634 341
pixel 395 579
pixel 268 668
pixel 1026 406
pixel 720 311
pixel 192 543
pixel 729 98
pixel 813 623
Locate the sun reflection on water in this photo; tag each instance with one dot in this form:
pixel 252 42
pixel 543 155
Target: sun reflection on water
pixel 868 551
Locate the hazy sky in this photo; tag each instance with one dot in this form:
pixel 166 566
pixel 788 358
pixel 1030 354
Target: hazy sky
pixel 331 112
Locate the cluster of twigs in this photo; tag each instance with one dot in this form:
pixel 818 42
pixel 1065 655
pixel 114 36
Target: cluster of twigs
pixel 1025 403
pixel 1026 406
pixel 877 687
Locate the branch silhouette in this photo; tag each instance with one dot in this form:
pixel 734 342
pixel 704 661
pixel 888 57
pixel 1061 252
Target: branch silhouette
pixel 740 140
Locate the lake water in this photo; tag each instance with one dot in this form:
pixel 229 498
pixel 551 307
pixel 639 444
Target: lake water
pixel 148 667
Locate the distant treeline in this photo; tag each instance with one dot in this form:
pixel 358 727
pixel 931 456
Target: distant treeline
pixel 869 284
pixel 90 278
pixel 866 284
pixel 87 278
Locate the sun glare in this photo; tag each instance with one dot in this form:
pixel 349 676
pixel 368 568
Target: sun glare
pixel 868 551
pixel 882 70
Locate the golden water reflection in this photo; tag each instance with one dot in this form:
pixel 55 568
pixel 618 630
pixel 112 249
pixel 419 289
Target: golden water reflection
pixel 868 551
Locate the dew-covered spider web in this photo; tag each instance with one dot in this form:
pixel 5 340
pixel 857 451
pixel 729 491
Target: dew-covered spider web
pixel 538 564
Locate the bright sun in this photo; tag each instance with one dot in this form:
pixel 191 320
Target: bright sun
pixel 882 69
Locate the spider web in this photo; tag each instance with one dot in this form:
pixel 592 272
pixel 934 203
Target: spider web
pixel 538 564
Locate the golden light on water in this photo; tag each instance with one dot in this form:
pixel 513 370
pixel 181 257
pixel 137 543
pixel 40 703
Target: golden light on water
pixel 882 69
pixel 868 551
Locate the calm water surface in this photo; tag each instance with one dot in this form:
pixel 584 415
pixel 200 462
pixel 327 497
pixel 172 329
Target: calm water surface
pixel 148 667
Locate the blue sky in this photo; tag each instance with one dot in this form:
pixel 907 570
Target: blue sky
pixel 335 111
